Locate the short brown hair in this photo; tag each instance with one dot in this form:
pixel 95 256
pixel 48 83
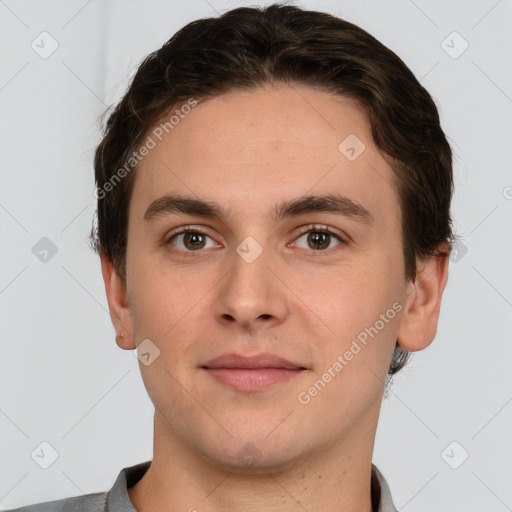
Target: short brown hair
pixel 249 47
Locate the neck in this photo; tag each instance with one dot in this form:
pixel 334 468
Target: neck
pixel 338 477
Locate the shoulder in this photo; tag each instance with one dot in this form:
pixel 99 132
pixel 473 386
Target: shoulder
pixel 89 502
pixel 115 499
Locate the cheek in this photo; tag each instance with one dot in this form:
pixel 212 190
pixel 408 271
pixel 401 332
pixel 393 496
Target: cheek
pixel 170 308
pixel 357 311
pixel 161 306
pixel 351 295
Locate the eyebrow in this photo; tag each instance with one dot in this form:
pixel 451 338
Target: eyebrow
pixel 328 203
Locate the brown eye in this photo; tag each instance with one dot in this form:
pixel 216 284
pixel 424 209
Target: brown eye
pixel 189 240
pixel 193 241
pixel 319 239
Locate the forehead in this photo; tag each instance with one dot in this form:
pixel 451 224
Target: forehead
pixel 250 149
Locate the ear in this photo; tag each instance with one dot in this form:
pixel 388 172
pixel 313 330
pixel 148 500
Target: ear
pixel 419 322
pixel 120 312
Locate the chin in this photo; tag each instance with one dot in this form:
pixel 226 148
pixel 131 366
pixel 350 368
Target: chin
pixel 254 454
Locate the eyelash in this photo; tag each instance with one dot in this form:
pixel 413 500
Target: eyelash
pixel 312 228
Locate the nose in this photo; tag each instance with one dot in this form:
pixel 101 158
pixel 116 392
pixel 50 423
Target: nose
pixel 252 295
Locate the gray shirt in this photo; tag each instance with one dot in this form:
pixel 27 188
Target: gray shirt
pixel 117 499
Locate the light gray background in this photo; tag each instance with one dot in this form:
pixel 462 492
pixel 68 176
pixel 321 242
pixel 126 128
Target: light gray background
pixel 63 379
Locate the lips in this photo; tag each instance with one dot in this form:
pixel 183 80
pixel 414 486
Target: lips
pixel 250 374
pixel 259 361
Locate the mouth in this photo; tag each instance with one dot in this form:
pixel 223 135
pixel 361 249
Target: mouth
pixel 252 373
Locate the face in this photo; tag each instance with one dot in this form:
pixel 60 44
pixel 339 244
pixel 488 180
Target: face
pixel 266 269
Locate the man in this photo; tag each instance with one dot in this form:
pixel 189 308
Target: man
pixel 274 231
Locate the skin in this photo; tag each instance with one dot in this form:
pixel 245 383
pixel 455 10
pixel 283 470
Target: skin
pixel 248 151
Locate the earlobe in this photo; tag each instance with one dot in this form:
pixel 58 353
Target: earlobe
pixel 119 309
pixel 423 302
